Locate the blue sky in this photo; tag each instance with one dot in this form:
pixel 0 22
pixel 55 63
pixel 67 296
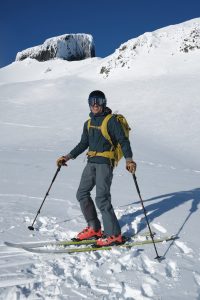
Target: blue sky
pixel 27 23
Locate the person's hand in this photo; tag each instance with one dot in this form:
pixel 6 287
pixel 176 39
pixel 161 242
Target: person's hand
pixel 61 161
pixel 131 166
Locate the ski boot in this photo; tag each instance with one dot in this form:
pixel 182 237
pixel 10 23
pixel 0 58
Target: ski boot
pixel 88 233
pixel 110 241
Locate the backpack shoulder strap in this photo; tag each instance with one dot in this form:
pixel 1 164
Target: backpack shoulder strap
pixel 104 128
pixel 88 124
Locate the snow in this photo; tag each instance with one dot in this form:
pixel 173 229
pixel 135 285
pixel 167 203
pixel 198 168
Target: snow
pixel 155 50
pixel 67 46
pixel 43 107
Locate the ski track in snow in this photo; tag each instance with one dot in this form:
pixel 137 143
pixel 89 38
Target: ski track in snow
pixel 24 125
pixel 31 197
pixel 161 165
pixel 197 279
pixel 183 247
pixel 159 227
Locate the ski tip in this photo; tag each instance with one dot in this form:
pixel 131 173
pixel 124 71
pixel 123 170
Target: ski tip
pixel 33 250
pixel 14 245
pixel 8 244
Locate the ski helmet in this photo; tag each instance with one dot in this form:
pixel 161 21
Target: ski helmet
pixel 97 97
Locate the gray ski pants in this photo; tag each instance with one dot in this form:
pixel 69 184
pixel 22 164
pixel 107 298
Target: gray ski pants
pixel 100 175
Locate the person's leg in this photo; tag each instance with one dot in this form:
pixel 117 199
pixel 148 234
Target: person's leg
pixel 88 181
pixel 104 175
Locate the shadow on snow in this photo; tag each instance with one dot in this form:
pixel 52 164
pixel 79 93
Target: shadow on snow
pixel 167 202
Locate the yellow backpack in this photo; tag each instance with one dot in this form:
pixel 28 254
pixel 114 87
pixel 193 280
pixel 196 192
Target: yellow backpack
pixel 115 153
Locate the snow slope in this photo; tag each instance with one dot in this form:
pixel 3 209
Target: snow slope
pixel 43 107
pixel 159 46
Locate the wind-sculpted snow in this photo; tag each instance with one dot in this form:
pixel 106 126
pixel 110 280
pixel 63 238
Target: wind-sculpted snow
pixel 168 41
pixel 68 46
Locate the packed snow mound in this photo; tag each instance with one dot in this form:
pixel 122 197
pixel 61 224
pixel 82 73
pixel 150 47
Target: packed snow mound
pixel 167 41
pixel 68 46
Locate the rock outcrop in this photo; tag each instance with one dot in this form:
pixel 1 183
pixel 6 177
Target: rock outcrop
pixel 68 47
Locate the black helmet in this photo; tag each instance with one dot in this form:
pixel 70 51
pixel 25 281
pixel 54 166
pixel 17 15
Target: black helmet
pixel 97 97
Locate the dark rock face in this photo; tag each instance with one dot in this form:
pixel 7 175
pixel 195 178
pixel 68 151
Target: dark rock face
pixel 69 47
pixel 192 41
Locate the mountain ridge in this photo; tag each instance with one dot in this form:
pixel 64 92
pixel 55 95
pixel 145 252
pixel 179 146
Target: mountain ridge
pixel 169 41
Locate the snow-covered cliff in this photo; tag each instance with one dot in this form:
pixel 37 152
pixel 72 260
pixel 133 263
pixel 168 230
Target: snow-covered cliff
pixel 165 42
pixel 68 46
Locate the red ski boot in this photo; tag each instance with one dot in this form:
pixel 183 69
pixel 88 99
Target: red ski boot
pixel 110 241
pixel 89 233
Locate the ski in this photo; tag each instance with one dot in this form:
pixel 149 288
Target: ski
pixel 49 243
pixel 63 243
pixel 90 249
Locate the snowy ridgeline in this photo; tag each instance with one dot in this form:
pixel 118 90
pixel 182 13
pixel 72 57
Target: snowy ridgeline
pixel 168 41
pixel 68 46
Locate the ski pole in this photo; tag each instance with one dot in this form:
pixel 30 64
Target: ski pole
pixel 138 191
pixel 47 193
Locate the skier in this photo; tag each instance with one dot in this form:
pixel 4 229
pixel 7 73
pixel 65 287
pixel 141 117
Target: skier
pixel 99 171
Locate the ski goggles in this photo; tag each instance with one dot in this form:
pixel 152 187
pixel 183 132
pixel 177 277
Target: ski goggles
pixel 96 100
